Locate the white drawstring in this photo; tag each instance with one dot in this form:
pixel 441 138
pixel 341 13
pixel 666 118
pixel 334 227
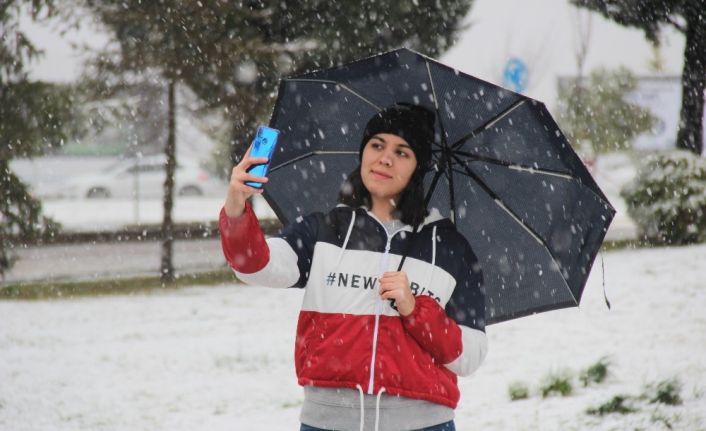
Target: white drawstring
pixel 345 241
pixel 377 409
pixel 362 409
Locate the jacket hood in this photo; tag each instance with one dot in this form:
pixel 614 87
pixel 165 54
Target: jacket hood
pixel 433 219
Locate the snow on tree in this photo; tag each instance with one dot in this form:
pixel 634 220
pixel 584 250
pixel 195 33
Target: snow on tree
pixel 667 199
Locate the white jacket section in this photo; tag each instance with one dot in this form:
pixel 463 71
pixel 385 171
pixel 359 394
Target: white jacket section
pixel 351 287
pixel 280 271
pixel 475 348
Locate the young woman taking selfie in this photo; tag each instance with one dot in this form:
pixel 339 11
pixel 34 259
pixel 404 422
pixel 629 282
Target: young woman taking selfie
pixel 375 348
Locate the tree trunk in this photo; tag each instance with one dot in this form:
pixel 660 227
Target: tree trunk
pixel 167 269
pixel 4 257
pixel 690 135
pixel 5 227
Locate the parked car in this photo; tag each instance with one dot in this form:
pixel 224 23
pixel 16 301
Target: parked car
pixel 142 177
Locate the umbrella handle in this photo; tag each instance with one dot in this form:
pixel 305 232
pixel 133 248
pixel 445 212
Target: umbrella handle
pixel 409 247
pixel 427 198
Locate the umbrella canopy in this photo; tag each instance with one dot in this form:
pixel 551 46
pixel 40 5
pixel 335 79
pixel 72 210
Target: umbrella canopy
pixel 503 171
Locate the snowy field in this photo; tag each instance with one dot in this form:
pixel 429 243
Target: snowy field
pixel 221 358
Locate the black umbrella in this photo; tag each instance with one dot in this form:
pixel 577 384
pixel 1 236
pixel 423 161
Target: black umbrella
pixel 504 173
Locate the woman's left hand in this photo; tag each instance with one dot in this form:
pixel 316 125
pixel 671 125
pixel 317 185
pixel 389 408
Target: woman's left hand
pixel 395 286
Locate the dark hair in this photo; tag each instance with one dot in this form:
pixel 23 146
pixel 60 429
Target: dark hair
pixel 410 207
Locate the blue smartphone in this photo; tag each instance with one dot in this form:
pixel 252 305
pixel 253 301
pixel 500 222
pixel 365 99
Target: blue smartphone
pixel 262 146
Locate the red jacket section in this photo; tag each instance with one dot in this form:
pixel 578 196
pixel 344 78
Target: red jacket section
pixel 335 351
pixel 243 242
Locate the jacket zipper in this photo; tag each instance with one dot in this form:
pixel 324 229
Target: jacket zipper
pixel 378 306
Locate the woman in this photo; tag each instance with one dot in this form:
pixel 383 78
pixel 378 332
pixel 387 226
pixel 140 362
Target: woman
pixel 375 348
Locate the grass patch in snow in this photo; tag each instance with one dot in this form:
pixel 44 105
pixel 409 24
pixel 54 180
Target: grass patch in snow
pixel 596 373
pixel 621 404
pixel 665 392
pixel 557 383
pixel 116 286
pixel 518 391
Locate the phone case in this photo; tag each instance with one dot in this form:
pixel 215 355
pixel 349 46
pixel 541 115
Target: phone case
pixel 263 146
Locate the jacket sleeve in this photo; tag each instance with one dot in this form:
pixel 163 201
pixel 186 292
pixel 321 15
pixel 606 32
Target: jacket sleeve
pixel 281 261
pixel 455 336
pixel 243 242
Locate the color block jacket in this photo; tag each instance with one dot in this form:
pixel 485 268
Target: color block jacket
pixel 346 335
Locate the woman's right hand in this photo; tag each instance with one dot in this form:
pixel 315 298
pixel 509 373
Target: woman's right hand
pixel 238 191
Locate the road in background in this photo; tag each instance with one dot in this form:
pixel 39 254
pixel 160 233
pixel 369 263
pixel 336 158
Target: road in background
pixel 128 259
pixel 111 260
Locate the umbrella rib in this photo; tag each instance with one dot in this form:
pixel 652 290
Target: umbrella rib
pixel 444 144
pixel 344 86
pixel 309 154
pixel 436 106
pixel 452 197
pixel 514 166
pixel 530 169
pixel 433 89
pixel 533 171
pixel 489 123
pixel 524 225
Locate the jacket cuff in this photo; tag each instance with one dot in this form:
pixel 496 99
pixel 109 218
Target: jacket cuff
pixel 434 330
pixel 243 241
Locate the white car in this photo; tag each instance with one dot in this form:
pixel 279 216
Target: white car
pixel 140 177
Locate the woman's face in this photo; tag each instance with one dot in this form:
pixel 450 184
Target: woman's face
pixel 387 165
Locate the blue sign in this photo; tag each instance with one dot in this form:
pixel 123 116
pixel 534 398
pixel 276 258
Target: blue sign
pixel 515 75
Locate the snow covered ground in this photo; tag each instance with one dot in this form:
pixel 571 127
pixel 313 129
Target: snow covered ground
pixel 221 358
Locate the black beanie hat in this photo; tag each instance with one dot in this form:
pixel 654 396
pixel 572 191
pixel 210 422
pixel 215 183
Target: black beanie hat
pixel 413 123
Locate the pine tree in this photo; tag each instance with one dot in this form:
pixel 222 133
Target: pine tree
pixel 34 117
pixel 688 17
